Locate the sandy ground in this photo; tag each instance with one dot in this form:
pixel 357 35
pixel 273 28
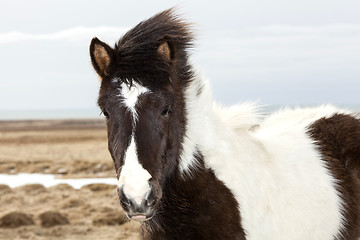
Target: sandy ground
pixel 71 149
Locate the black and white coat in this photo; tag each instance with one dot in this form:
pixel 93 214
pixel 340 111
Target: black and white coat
pixel 218 172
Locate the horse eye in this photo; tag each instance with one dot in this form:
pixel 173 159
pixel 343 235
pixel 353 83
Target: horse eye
pixel 106 114
pixel 165 111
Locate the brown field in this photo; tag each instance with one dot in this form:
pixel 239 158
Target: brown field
pixel 72 148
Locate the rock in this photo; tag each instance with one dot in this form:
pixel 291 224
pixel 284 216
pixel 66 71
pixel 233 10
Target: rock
pixel 16 219
pixel 50 219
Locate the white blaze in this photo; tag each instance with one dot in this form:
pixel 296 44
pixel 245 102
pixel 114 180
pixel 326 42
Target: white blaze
pixel 133 177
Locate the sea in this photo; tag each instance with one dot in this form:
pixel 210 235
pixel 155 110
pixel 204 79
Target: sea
pixel 94 113
pixel 50 114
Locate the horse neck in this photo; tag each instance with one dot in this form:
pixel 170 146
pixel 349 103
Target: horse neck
pixel 200 207
pixel 196 193
pixel 214 131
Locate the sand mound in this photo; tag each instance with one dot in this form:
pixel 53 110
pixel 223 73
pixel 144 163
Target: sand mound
pixel 111 219
pixel 16 219
pixel 73 202
pixel 99 187
pixel 33 189
pixel 4 189
pixel 50 219
pixel 61 187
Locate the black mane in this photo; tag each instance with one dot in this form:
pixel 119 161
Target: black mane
pixel 136 52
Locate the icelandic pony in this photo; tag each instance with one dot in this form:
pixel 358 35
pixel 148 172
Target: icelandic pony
pixel 190 169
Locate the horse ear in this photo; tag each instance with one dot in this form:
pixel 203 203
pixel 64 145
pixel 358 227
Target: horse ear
pixel 101 56
pixel 167 50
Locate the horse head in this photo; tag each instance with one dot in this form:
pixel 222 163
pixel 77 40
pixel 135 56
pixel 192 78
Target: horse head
pixel 143 78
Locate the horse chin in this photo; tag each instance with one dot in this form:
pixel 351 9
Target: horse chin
pixel 140 217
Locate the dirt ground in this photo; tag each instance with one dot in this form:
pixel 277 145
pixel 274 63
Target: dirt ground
pixel 71 148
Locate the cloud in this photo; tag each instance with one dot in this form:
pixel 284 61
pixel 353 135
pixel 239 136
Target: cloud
pixel 72 34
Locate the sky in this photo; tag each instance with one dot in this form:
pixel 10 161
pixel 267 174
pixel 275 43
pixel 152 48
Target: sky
pixel 276 52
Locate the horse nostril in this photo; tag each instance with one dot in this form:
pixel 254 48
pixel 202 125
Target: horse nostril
pixel 124 200
pixel 150 198
pixel 149 202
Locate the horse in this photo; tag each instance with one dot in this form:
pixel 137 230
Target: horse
pixel 189 168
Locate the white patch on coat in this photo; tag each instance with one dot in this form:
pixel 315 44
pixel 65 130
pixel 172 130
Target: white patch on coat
pixel 196 107
pixel 131 95
pixel 275 171
pixel 133 177
pixel 278 178
pixel 201 114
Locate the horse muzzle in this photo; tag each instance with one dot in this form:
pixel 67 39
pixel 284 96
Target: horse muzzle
pixel 140 209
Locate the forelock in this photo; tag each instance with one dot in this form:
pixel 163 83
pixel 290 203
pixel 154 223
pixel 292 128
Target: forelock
pixel 137 57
